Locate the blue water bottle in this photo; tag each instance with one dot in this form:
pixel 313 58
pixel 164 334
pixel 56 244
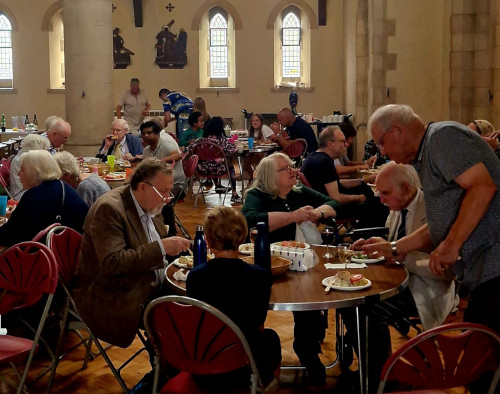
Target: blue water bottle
pixel 262 248
pixel 199 247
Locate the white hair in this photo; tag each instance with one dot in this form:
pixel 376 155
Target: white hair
pixel 39 166
pixel 400 174
pixel 51 121
pixel 121 122
pixel 265 174
pixel 389 114
pixel 67 163
pixel 34 142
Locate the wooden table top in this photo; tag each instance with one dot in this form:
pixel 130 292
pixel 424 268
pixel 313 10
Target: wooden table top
pixel 303 291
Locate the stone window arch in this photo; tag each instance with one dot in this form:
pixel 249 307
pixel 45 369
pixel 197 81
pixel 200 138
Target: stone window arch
pixel 52 22
pixel 6 66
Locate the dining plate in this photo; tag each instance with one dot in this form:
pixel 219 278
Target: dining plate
pixel 115 176
pixel 177 262
pixel 292 244
pixel 367 260
pixel 328 280
pixel 371 171
pixel 246 249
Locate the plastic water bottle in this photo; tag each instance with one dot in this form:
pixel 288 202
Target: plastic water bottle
pixel 199 247
pixel 262 248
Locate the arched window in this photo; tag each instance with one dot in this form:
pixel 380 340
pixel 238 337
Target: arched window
pixel 56 51
pixel 218 47
pixel 290 52
pixel 6 70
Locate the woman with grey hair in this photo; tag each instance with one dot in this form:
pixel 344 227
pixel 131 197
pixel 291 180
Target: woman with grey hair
pixel 89 186
pixel 275 199
pixel 47 200
pixel 30 142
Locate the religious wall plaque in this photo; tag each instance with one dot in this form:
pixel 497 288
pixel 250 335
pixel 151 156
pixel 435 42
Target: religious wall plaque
pixel 171 48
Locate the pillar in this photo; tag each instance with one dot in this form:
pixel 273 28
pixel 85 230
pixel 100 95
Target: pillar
pixel 89 72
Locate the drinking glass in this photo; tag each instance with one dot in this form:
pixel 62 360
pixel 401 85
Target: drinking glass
pixel 111 163
pixel 345 253
pixel 253 234
pixel 15 120
pixel 328 235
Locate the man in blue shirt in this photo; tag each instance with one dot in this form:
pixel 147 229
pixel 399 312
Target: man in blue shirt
pixel 180 105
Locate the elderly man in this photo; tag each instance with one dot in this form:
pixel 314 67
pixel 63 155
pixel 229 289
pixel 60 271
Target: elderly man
pixel 428 295
pixel 120 143
pixel 320 171
pixel 180 105
pixel 123 250
pixel 89 186
pixel 135 104
pixel 296 127
pixel 58 132
pixel 460 176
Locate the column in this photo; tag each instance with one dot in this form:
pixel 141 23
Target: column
pixel 89 67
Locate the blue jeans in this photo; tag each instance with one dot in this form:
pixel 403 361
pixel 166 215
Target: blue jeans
pixel 182 124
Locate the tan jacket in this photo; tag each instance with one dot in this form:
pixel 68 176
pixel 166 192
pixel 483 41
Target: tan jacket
pixel 116 276
pixel 434 295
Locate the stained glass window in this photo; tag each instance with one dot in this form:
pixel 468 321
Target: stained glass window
pixel 218 47
pixel 291 46
pixel 5 48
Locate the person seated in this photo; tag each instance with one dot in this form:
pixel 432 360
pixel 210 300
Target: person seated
pixel 345 166
pixel 120 143
pixel 195 130
pixel 58 132
pixel 488 132
pixel 89 186
pixel 30 142
pixel 275 199
pixel 225 230
pixel 371 150
pixel 200 106
pixel 357 198
pixel 428 296
pixel 214 132
pixel 47 200
pixel 296 127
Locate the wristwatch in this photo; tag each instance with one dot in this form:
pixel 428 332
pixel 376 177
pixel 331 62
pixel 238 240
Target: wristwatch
pixel 393 248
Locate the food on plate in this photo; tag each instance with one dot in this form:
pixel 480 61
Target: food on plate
pixel 186 260
pixel 246 248
pixel 346 279
pixel 115 176
pixel 291 244
pixel 364 256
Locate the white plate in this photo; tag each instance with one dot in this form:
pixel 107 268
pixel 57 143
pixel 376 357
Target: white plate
pixel 353 288
pixel 176 263
pixel 243 251
pixel 368 261
pixel 306 246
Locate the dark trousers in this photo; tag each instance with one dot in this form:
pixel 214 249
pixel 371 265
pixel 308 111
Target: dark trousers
pixel 309 332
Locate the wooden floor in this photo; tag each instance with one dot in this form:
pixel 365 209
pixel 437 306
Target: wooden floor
pixel 97 378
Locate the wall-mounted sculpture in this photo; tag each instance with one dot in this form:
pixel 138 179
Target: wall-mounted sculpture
pixel 171 48
pixel 121 55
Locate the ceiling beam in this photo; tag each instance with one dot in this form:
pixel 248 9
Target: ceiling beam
pixel 138 12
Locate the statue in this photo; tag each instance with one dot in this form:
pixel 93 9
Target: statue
pixel 170 48
pixel 121 55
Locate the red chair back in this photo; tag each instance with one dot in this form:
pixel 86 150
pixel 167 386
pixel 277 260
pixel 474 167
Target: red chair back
pixel 189 164
pixel 66 244
pixel 438 359
pixel 43 233
pixel 28 270
pixel 303 179
pixel 296 149
pixel 208 151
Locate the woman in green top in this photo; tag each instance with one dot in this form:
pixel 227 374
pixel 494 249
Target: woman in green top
pixel 195 130
pixel 275 199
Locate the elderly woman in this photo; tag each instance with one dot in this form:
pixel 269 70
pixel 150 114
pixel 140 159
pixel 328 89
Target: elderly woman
pixel 275 199
pixel 225 230
pixel 89 186
pixel 47 200
pixel 30 142
pixel 488 133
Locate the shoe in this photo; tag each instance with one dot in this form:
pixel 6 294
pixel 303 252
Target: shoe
pixel 236 199
pixel 316 372
pixel 207 184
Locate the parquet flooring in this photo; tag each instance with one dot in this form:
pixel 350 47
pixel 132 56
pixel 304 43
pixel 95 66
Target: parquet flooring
pixel 98 379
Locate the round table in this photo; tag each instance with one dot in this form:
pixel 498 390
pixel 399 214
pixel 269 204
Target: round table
pixel 303 291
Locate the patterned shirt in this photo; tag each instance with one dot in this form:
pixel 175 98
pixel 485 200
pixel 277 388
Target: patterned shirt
pixel 179 104
pixel 449 149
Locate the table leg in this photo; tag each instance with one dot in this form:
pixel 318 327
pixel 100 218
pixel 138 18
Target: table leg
pixel 362 358
pixel 241 163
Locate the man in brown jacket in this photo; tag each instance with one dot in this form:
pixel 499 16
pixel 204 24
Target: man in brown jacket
pixel 124 243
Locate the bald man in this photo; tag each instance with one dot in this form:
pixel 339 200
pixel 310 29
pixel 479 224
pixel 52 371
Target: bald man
pixel 295 128
pixel 57 133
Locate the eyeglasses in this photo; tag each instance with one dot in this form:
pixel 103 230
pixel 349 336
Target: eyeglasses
pixel 163 198
pixel 380 144
pixel 289 169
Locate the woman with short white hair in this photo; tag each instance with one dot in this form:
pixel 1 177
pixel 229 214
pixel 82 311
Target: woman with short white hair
pixel 47 200
pixel 29 143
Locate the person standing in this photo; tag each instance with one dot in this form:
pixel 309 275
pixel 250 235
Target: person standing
pixel 178 104
pixel 135 105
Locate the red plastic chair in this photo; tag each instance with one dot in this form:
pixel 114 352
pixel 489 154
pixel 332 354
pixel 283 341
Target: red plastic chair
pixel 304 180
pixel 208 151
pixel 296 150
pixel 28 270
pixel 441 359
pixel 40 237
pixel 196 339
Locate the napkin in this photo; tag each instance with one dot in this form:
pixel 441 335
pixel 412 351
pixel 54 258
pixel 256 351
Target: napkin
pixel 331 266
pixel 180 275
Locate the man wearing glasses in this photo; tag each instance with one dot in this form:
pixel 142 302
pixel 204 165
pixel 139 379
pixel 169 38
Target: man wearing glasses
pixel 120 143
pixel 356 198
pixel 123 250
